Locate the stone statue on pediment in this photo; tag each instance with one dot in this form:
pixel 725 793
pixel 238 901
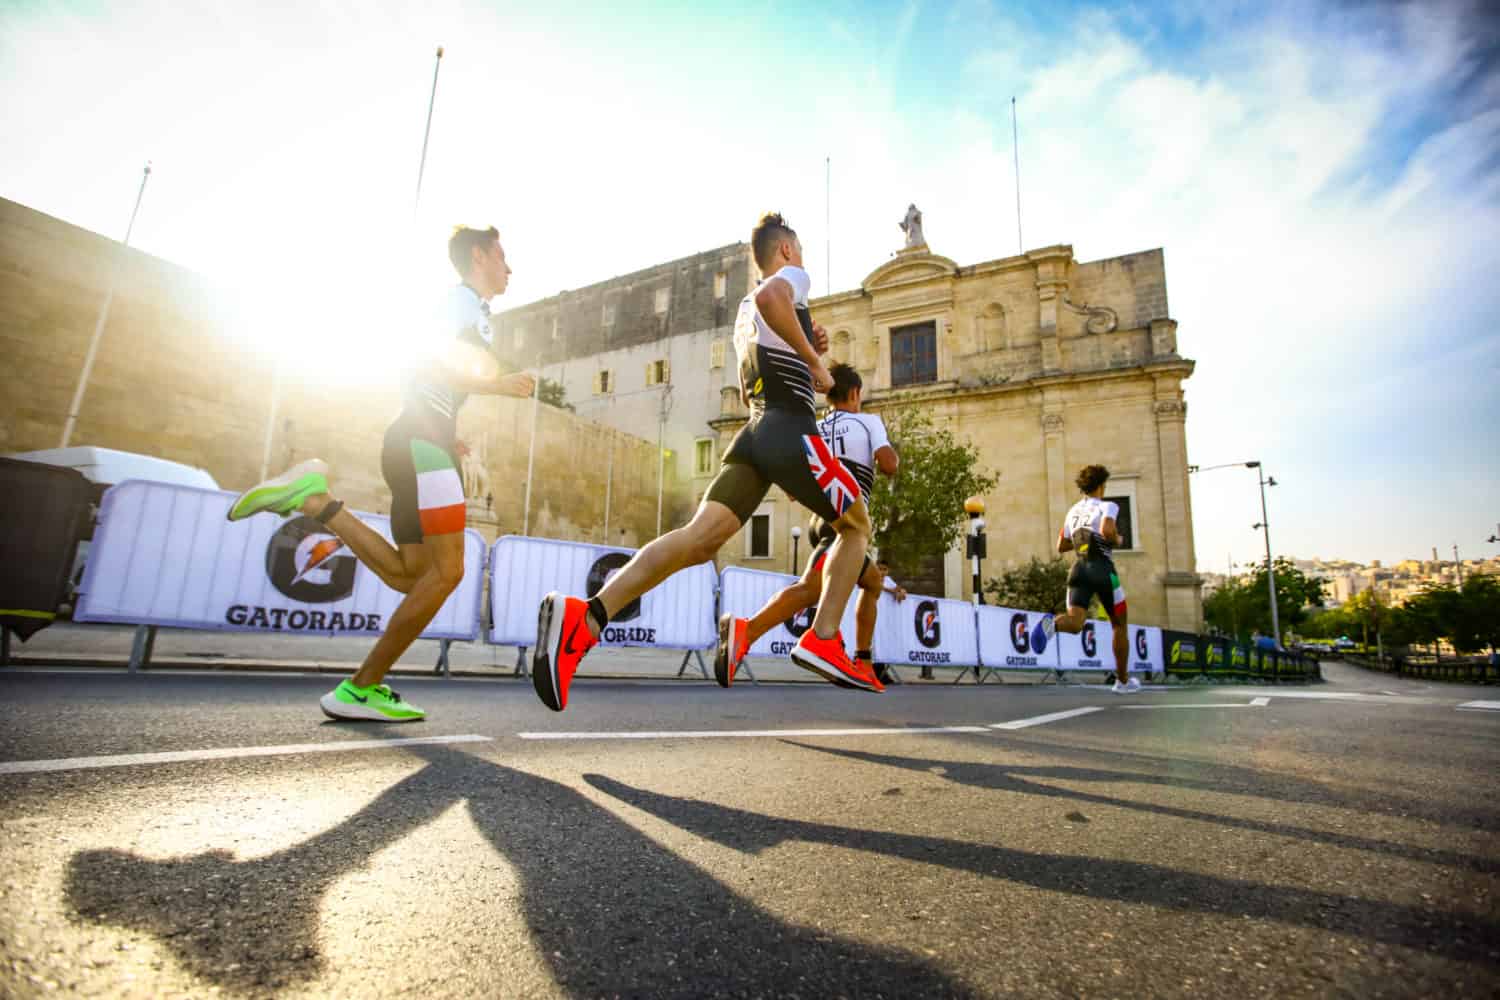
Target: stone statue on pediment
pixel 912 227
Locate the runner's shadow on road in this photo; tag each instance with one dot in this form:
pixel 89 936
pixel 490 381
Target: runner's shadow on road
pixel 610 911
pixel 1445 934
pixel 1013 778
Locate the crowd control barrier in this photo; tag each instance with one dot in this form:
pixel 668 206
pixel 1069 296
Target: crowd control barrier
pixel 743 592
pixel 164 555
pixel 46 508
pixel 1007 641
pixel 925 631
pixel 677 614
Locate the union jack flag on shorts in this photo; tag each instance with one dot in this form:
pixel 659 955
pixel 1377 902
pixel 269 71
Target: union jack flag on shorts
pixel 836 482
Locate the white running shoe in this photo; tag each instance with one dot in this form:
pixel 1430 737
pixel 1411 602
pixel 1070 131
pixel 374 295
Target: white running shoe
pixel 1130 688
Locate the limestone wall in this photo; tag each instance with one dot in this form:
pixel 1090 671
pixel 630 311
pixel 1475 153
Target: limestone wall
pixel 179 376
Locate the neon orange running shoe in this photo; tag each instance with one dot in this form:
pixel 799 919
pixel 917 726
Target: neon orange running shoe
pixel 830 659
pixel 734 646
pixel 562 639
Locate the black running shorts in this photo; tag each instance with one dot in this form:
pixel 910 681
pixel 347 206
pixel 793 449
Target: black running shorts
pixel 427 494
pixel 783 448
pixel 1096 577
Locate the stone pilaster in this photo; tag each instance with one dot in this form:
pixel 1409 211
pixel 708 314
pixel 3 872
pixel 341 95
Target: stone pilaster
pixel 1180 578
pixel 1057 472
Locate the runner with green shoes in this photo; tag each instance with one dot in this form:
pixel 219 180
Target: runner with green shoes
pixel 420 466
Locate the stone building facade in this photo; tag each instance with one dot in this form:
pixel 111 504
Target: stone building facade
pixel 1045 364
pixel 648 353
pixel 178 376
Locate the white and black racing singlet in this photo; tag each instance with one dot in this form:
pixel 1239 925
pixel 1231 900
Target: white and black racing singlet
pixel 773 374
pixel 465 317
pixel 855 438
pixel 1089 513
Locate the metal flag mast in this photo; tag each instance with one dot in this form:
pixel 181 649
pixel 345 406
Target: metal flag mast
pixel 1015 145
pixel 427 131
pixel 109 297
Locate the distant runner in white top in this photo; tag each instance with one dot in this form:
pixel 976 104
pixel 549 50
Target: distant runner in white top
pixel 859 441
pixel 1090 531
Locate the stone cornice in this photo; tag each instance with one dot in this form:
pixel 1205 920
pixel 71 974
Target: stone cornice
pixel 951 389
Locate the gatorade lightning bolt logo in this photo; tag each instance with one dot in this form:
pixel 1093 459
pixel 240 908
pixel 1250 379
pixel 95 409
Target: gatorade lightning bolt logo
pixel 929 631
pixel 801 621
pixel 1090 643
pixel 306 563
pixel 605 567
pixel 1018 633
pixel 1140 644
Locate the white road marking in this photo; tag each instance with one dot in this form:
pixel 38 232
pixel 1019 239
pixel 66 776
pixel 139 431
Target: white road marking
pixel 1042 720
pixel 1257 703
pixel 1481 706
pixel 712 734
pixel 224 753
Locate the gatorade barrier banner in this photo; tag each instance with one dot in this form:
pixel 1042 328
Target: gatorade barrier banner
pixel 1090 649
pixel 1007 640
pixel 677 614
pixel 1145 650
pixel 743 592
pixel 165 555
pixel 1183 653
pixel 925 631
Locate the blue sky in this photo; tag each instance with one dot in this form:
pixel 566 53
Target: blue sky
pixel 1324 180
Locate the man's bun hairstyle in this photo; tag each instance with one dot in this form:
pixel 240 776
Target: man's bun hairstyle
pixel 764 238
pixel 845 381
pixel 1091 477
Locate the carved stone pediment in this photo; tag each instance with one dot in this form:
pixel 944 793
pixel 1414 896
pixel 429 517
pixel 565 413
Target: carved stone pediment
pixel 909 268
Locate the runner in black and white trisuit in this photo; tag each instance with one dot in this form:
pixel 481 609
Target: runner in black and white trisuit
pixel 778 346
pixel 1090 531
pixel 421 469
pixel 860 442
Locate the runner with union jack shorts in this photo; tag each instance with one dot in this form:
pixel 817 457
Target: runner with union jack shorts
pixel 778 346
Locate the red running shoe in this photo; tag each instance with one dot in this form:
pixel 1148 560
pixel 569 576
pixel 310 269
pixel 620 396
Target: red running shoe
pixel 562 638
pixel 734 646
pixel 829 658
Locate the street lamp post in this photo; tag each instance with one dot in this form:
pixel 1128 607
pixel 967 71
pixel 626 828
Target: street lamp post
pixel 796 539
pixel 1264 526
pixel 974 507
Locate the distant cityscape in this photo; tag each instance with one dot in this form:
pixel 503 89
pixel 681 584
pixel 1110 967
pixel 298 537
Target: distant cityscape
pixel 1395 583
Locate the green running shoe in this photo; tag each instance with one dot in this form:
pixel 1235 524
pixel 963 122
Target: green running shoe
pixel 377 703
pixel 284 494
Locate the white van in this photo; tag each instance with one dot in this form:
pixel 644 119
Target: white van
pixel 104 467
pixel 107 466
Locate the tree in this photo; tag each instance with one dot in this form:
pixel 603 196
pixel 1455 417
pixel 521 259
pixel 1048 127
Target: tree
pixel 553 394
pixel 921 510
pixel 1481 598
pixel 1232 608
pixel 1035 585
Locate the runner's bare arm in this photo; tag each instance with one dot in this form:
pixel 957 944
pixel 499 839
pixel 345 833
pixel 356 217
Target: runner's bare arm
pixel 1109 532
pixel 472 369
pixel 1064 543
pixel 886 460
pixel 779 310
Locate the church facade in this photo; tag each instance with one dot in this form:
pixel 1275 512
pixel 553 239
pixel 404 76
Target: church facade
pixel 1045 364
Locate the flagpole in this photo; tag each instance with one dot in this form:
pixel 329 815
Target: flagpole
pixel 427 131
pixel 1015 144
pixel 109 296
pixel 828 221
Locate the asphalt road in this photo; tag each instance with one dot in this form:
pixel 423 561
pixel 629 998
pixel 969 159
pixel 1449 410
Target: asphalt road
pixel 673 839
